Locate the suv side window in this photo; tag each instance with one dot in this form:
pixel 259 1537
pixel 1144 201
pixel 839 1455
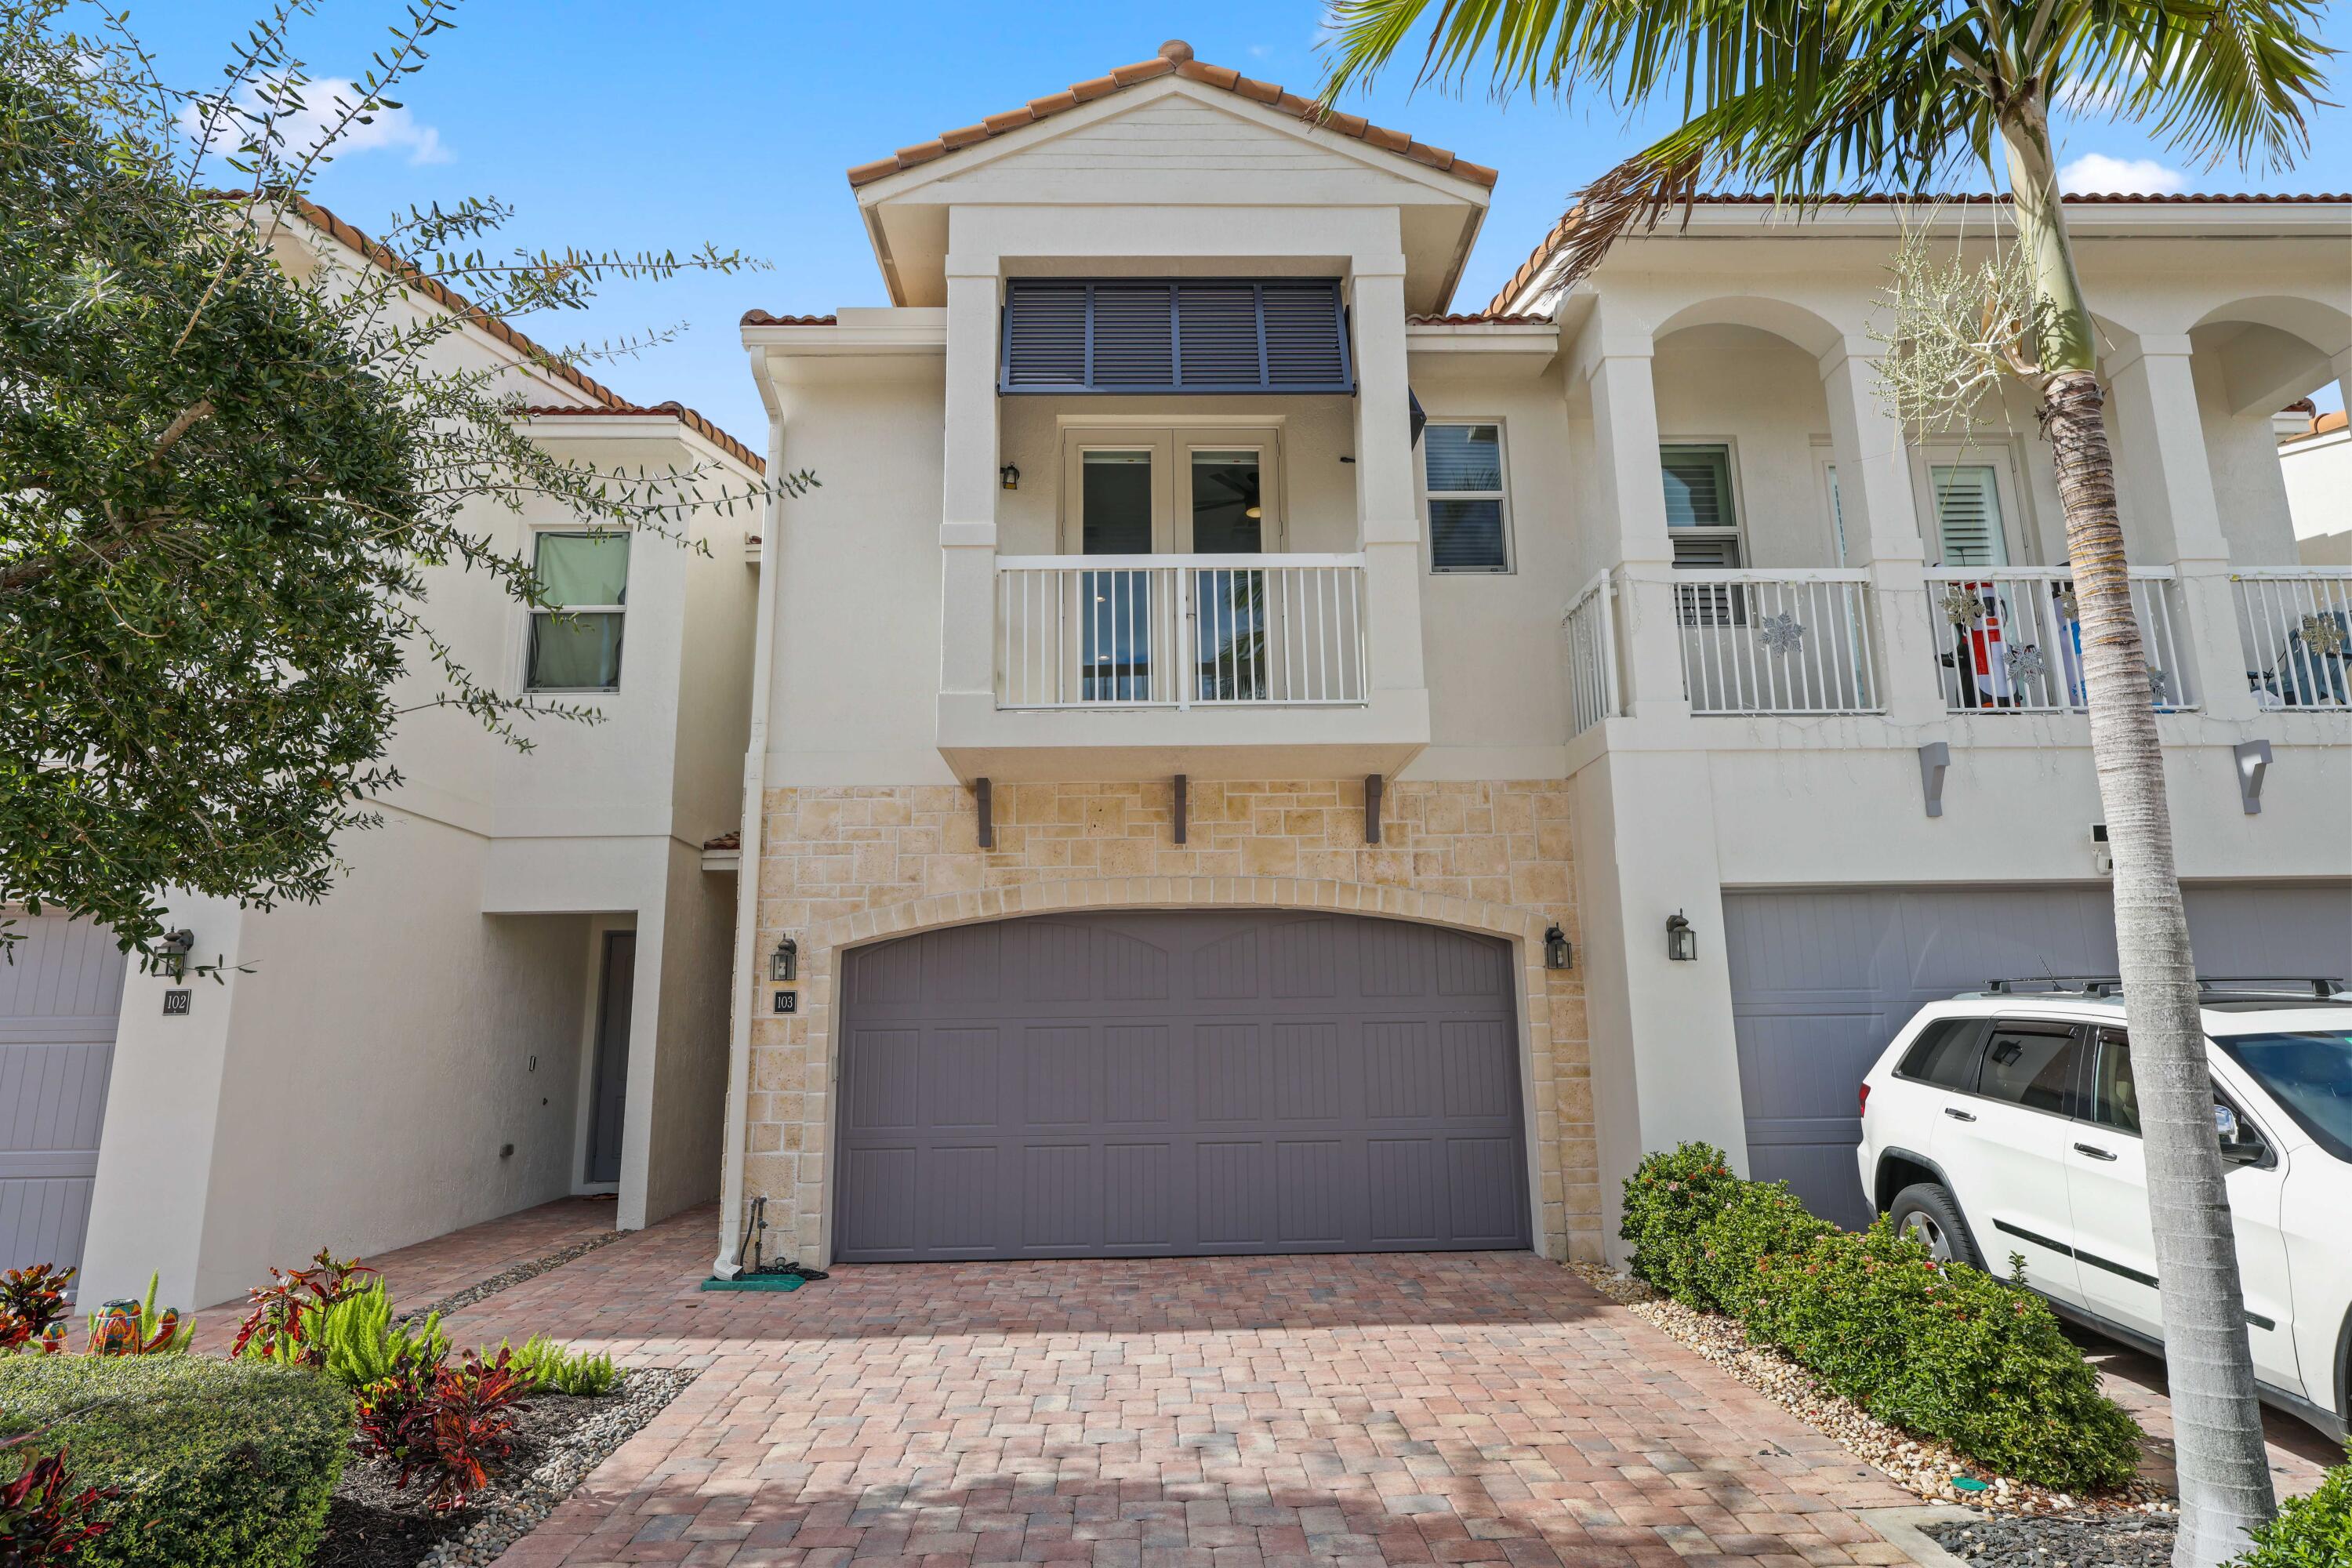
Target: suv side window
pixel 2031 1065
pixel 1946 1054
pixel 2115 1101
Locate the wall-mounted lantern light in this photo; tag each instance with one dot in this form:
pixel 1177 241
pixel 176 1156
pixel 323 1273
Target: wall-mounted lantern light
pixel 172 953
pixel 1682 942
pixel 1558 955
pixel 784 964
pixel 1009 475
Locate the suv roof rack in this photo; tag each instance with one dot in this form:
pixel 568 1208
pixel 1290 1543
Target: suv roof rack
pixel 2105 985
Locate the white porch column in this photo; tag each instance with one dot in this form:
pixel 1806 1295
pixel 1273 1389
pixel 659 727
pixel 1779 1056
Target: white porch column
pixel 1881 525
pixel 1633 494
pixel 2159 437
pixel 968 485
pixel 1388 520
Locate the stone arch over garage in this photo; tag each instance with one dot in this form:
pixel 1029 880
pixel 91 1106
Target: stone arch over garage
pixel 808 1056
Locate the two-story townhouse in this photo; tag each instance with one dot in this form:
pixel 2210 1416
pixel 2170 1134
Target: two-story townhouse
pixel 518 988
pixel 1243 760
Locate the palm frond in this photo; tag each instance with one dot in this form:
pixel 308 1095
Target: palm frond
pixel 2221 80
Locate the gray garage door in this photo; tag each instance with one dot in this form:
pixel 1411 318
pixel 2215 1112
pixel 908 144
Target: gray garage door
pixel 1821 981
pixel 58 1007
pixel 1154 1084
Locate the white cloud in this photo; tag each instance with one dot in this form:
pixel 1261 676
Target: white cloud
pixel 2096 174
pixel 325 101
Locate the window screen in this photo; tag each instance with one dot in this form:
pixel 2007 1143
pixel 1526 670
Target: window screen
pixel 1968 514
pixel 1462 467
pixel 587 576
pixel 1128 335
pixel 2030 1068
pixel 1944 1054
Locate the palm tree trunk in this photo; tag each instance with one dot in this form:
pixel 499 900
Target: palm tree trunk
pixel 2224 1474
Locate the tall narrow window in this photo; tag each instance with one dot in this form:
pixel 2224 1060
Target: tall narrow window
pixel 585 575
pixel 1700 516
pixel 1968 514
pixel 1462 467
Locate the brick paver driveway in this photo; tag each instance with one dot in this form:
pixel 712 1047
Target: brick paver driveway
pixel 1208 1413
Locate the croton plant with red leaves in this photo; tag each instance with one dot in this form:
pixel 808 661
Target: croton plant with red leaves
pixel 43 1518
pixel 31 1302
pixel 278 1307
pixel 449 1425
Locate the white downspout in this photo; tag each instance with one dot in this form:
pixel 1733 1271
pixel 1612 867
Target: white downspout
pixel 747 867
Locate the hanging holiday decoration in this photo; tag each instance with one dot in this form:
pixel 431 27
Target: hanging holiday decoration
pixel 2158 682
pixel 1784 634
pixel 1961 606
pixel 2323 635
pixel 2068 604
pixel 2025 662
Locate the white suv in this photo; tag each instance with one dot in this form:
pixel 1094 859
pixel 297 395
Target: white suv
pixel 2006 1122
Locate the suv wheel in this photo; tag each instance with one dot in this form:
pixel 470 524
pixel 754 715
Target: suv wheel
pixel 1925 1212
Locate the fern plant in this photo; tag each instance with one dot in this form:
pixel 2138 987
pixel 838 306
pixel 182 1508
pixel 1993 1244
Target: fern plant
pixel 357 1342
pixel 548 1367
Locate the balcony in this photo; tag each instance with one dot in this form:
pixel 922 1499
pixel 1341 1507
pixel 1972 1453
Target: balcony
pixel 1997 641
pixel 2294 628
pixel 1141 666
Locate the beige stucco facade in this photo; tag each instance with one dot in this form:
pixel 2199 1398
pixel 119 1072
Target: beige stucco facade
pixel 841 867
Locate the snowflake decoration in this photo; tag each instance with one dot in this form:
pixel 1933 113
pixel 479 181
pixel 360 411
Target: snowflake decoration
pixel 2068 604
pixel 1782 634
pixel 2025 662
pixel 2157 682
pixel 1961 606
pixel 2323 635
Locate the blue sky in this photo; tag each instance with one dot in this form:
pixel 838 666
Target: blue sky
pixel 616 123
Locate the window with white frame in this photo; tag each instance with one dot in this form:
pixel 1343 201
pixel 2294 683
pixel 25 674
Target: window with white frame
pixel 576 645
pixel 1702 518
pixel 1469 516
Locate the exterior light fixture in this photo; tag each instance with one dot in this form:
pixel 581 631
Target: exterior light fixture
pixel 1558 953
pixel 1682 942
pixel 1009 476
pixel 1253 512
pixel 784 964
pixel 172 953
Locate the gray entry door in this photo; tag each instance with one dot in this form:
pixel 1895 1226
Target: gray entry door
pixel 1171 1084
pixel 58 1002
pixel 615 991
pixel 1820 980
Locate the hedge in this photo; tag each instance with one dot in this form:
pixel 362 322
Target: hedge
pixel 1943 1351
pixel 215 1463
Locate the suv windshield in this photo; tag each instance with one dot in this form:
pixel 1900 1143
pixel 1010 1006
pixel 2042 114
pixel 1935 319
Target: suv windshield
pixel 2310 1074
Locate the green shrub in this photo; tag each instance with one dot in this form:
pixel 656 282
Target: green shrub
pixel 2314 1532
pixel 1944 1352
pixel 216 1464
pixel 1666 1197
pixel 549 1368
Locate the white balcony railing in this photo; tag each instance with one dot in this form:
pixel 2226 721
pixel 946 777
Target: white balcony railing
pixel 2294 626
pixel 1776 642
pixel 1591 625
pixel 1180 631
pixel 2010 638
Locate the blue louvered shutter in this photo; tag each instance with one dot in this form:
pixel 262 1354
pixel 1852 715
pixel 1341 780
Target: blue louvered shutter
pixel 1201 335
pixel 1045 336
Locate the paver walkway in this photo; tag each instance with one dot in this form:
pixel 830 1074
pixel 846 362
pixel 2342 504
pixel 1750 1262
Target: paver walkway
pixel 446 1264
pixel 1206 1412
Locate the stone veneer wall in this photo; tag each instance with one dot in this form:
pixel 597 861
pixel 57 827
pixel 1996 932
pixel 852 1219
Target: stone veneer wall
pixel 843 866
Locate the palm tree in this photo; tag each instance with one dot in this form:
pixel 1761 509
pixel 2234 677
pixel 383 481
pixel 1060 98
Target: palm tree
pixel 1812 101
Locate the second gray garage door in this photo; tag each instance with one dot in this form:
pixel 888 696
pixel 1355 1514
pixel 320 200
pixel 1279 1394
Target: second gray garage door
pixel 1820 980
pixel 1171 1084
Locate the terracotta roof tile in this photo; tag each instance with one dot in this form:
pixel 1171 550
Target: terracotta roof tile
pixel 606 401
pixel 1175 55
pixel 673 409
pixel 757 317
pixel 1479 318
pixel 1541 256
